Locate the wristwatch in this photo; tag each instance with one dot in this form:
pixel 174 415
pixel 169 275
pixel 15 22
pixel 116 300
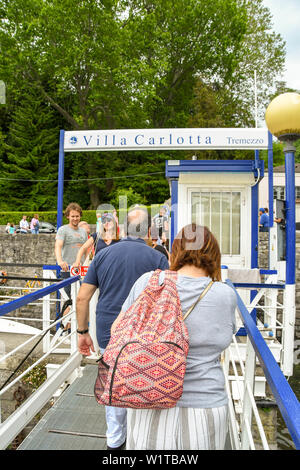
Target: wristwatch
pixel 83 332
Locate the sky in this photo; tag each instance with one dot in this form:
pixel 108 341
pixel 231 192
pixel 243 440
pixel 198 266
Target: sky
pixel 286 21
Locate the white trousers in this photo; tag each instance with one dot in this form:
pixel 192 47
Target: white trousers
pixel 116 425
pixel 177 429
pixel 116 422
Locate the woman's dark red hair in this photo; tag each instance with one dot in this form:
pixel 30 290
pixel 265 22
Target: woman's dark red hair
pixel 196 245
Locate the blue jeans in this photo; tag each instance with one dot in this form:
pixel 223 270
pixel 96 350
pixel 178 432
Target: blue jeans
pixel 66 275
pixel 116 421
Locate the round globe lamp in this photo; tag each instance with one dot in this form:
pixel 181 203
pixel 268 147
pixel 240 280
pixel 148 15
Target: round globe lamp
pixel 283 121
pixel 283 117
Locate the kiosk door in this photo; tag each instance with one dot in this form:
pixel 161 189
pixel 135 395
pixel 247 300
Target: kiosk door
pixel 223 211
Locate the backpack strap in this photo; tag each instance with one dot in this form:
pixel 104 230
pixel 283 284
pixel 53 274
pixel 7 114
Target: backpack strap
pixel 168 276
pixel 198 300
pixel 153 281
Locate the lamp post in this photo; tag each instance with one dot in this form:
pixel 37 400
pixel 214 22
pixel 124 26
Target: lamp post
pixel 283 120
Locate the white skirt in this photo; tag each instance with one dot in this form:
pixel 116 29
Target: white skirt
pixel 177 429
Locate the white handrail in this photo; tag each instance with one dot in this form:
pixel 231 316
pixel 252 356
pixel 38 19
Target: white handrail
pixel 38 361
pixel 13 425
pixel 246 405
pixel 51 349
pixel 29 340
pixel 257 418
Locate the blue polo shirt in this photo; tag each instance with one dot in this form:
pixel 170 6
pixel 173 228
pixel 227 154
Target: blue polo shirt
pixel 114 270
pixel 264 220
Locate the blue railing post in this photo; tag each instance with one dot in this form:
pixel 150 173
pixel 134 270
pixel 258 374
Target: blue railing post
pixel 254 231
pixel 60 188
pixel 290 217
pixel 174 210
pixel 270 179
pixel 290 227
pixel 254 227
pixel 285 398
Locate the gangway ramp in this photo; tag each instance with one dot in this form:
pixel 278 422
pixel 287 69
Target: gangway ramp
pixel 75 422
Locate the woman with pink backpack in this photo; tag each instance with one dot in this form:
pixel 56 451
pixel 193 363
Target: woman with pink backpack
pixel 199 421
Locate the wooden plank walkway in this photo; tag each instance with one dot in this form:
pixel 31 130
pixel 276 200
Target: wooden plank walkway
pixel 75 422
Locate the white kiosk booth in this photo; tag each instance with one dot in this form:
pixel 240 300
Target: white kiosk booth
pixel 222 195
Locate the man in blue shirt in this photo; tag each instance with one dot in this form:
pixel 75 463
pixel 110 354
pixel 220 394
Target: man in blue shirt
pixel 263 221
pixel 114 270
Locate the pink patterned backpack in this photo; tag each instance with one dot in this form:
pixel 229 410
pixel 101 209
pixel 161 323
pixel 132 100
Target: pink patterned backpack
pixel 144 363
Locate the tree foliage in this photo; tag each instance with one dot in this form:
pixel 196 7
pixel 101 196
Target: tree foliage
pixel 105 64
pixel 31 155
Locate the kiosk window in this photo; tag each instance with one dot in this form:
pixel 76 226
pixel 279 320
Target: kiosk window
pixel 279 192
pixel 221 213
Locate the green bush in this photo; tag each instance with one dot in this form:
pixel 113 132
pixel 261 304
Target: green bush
pixel 15 217
pixel 36 377
pixel 51 216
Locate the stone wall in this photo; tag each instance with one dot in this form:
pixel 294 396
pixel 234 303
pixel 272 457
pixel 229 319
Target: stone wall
pixel 27 248
pixel 263 250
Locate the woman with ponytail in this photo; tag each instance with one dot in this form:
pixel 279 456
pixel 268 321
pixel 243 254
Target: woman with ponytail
pixel 200 419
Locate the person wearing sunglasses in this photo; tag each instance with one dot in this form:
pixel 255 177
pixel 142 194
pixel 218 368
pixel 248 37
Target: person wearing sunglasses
pixel 107 235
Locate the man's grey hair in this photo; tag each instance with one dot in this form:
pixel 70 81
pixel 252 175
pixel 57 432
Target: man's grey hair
pixel 138 222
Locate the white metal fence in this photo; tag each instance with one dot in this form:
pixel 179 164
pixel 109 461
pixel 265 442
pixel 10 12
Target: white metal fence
pixel 52 344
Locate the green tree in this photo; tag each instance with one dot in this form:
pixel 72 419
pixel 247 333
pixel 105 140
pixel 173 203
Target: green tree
pixel 278 155
pixel 213 107
pixel 297 154
pixel 31 157
pixel 134 64
pixel 263 54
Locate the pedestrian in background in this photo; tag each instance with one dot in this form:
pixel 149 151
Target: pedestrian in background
pixel 24 225
pixel 86 226
pixel 263 220
pixel 12 229
pixel 35 224
pixel 114 270
pixel 68 241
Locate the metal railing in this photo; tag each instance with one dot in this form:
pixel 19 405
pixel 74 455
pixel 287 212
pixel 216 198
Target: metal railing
pixel 16 422
pixel 289 406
